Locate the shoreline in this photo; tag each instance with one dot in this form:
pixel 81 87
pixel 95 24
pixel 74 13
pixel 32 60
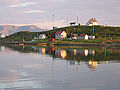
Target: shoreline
pixel 61 44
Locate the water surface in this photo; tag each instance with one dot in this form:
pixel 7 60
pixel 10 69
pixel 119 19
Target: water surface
pixel 59 68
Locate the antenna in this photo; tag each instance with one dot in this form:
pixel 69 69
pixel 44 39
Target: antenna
pixel 77 19
pixel 43 22
pixel 53 18
pixel 67 21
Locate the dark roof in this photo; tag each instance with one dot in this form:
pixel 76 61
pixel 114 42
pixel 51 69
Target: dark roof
pixel 82 35
pixel 58 32
pixel 72 22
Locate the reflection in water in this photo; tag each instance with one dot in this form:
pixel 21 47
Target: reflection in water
pixel 58 68
pixel 92 57
pixel 63 53
pixel 43 50
pixel 92 65
pixel 75 51
pixel 86 52
pixel 2 48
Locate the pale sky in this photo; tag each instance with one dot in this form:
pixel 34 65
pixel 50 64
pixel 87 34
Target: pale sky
pixel 39 12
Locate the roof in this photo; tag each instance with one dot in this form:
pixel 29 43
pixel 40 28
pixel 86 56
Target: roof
pixel 83 35
pixel 89 22
pixel 42 34
pixel 1 34
pixel 58 32
pixel 94 20
pixel 72 22
pixel 75 35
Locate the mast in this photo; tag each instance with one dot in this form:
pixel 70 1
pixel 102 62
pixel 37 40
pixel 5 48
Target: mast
pixel 67 21
pixel 77 19
pixel 53 18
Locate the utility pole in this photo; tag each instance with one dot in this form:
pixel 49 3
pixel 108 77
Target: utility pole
pixel 93 29
pixel 37 37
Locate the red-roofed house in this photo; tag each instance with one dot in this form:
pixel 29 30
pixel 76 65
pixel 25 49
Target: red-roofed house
pixel 60 35
pixel 92 22
pixel 83 36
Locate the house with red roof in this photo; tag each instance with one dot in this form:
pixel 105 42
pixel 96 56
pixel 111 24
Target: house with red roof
pixel 92 22
pixel 60 35
pixel 83 36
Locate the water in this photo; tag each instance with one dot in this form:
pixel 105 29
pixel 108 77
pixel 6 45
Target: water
pixel 59 68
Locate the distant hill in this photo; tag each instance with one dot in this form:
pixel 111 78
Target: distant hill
pixel 10 29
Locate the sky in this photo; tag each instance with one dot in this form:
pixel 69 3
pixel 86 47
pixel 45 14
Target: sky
pixel 40 12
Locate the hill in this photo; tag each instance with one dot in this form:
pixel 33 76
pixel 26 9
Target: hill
pixel 99 31
pixel 10 29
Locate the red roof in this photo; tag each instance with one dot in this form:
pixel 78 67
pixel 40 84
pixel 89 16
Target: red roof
pixel 58 32
pixel 82 35
pixel 94 19
pixel 75 35
pixel 89 22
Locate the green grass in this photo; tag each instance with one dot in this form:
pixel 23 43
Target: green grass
pixel 79 41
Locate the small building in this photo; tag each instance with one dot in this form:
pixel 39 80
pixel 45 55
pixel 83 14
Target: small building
pixel 83 36
pixel 91 37
pixel 75 36
pixel 60 35
pixel 92 22
pixel 42 36
pixel 72 23
pixel 54 28
pixel 2 35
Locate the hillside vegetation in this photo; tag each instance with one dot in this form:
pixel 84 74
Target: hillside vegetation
pixel 99 32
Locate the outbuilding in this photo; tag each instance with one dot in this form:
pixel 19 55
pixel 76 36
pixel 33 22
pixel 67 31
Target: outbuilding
pixel 42 36
pixel 2 35
pixel 60 35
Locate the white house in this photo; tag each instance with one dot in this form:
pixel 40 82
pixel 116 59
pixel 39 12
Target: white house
pixel 60 35
pixel 42 36
pixel 2 35
pixel 91 37
pixel 83 36
pixel 92 22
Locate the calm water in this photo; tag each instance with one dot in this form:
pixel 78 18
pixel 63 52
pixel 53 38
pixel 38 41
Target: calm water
pixel 55 68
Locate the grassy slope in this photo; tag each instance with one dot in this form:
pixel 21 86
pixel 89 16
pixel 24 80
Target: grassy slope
pixel 100 33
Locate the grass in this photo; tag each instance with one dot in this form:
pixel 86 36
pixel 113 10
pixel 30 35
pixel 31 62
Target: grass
pixel 90 41
pixel 79 41
pixel 39 41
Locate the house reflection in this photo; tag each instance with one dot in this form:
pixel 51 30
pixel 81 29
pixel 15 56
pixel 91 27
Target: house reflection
pixel 75 51
pixel 63 53
pixel 2 48
pixel 43 50
pixel 86 52
pixel 83 52
pixel 92 65
pixel 75 56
